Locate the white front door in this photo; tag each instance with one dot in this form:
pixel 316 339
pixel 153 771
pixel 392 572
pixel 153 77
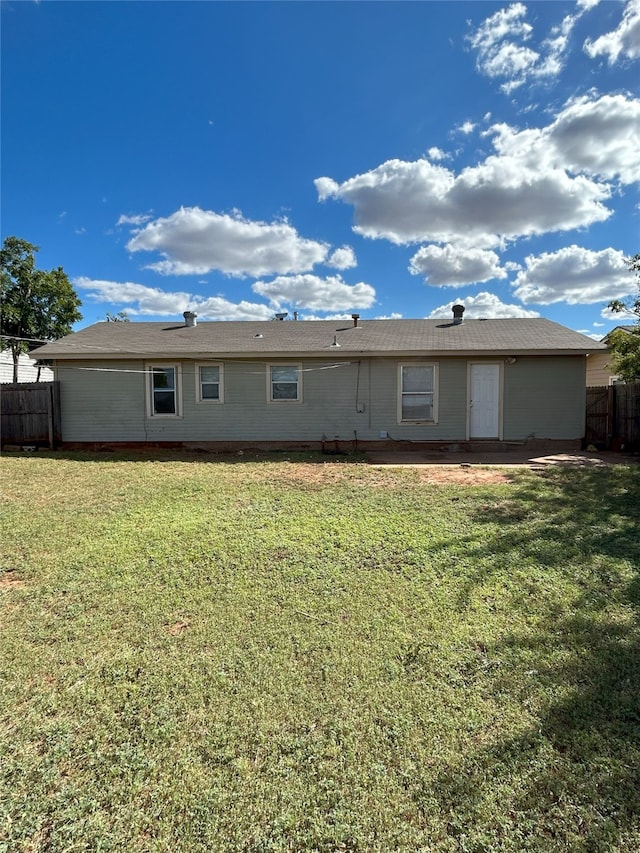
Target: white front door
pixel 484 401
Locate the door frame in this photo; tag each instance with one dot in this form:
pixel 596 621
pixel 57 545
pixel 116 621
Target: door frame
pixel 500 366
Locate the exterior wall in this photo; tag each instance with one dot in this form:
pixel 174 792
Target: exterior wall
pixel 27 370
pixel 452 401
pixel 545 397
pixel 102 401
pixel 107 402
pixel 598 370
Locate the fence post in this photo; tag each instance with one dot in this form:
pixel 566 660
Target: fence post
pixel 611 416
pixel 57 420
pixel 50 415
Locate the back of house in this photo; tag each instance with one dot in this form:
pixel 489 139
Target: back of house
pixel 305 383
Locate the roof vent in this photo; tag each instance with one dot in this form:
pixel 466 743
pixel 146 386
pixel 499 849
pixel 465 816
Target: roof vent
pixel 355 318
pixel 458 311
pixel 190 318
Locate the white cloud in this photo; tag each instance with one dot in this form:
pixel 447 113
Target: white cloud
pixel 346 318
pixel 218 308
pixel 501 199
pixel 587 4
pixel 618 317
pixel 135 219
pixel 326 188
pixel 539 180
pixel 467 127
pixel 318 294
pixel 143 300
pixel 146 300
pixel 596 136
pixel 446 266
pixel 343 258
pixel 499 42
pixel 437 154
pixel 623 41
pixel 505 24
pixel 594 335
pixel 601 137
pixel 483 306
pixel 338 318
pixel 502 52
pixel 574 275
pixel 196 241
pixel 512 61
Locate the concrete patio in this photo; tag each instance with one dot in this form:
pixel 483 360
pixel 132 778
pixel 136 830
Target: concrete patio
pixel 516 458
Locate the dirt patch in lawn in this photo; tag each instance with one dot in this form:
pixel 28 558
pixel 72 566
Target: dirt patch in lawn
pixel 177 628
pixel 384 475
pixel 466 475
pixel 10 580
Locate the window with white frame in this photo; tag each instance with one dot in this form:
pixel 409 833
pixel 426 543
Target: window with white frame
pixel 284 383
pixel 164 390
pixel 417 398
pixel 209 388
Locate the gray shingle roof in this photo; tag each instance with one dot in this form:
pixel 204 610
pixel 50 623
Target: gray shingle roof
pixel 632 328
pixel 315 338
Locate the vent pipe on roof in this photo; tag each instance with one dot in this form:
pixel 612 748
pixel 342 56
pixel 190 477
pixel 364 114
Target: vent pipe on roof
pixel 190 318
pixel 458 311
pixel 355 318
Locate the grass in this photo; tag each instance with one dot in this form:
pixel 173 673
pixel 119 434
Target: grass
pixel 289 654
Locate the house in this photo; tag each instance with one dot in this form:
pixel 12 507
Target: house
pixel 28 371
pixel 285 383
pixel 599 370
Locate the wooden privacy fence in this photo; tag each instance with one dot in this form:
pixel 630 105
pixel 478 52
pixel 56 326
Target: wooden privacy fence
pixel 30 413
pixel 613 416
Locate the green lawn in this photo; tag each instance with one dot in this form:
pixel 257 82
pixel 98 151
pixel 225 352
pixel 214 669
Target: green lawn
pixel 306 654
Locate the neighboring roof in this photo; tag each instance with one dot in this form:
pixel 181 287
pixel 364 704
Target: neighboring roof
pixel 630 329
pixel 315 338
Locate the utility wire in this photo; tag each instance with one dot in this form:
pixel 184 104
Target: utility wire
pixel 150 370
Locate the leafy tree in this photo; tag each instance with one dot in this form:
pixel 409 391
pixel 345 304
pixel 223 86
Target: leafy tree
pixel 120 317
pixel 625 343
pixel 36 305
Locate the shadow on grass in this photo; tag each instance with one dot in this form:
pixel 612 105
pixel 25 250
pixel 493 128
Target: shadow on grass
pixel 571 780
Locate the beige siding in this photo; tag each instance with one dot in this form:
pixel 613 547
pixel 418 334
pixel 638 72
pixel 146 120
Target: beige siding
pixel 599 371
pixel 103 401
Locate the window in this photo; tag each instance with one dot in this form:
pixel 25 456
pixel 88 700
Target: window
pixel 285 383
pixel 418 393
pixel 209 383
pixel 164 390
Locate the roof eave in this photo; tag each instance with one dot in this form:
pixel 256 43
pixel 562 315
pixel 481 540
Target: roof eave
pixel 328 352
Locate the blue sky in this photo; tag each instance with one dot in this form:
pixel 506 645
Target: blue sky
pixel 240 159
